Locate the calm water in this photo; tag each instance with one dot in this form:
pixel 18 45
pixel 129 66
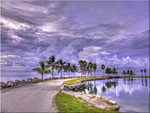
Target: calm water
pixel 132 94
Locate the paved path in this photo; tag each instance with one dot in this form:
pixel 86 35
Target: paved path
pixel 35 98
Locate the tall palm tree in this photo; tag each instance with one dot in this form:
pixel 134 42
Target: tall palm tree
pixel 114 70
pixel 94 68
pixel 88 70
pixel 141 72
pixel 131 72
pixel 59 66
pixel 124 72
pixel 42 69
pixel 65 67
pixel 103 67
pixel 84 67
pixel 108 70
pixel 81 66
pixel 68 68
pixel 74 69
pixel 145 71
pixel 91 67
pixel 51 63
pixel 128 72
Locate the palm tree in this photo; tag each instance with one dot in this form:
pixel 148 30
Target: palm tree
pixel 81 66
pixel 65 67
pixel 59 66
pixel 51 63
pixel 124 72
pixel 108 71
pixel 103 67
pixel 128 72
pixel 91 67
pixel 88 70
pixel 42 69
pixel 84 67
pixel 131 72
pixel 68 68
pixel 74 69
pixel 114 71
pixel 141 72
pixel 145 71
pixel 94 68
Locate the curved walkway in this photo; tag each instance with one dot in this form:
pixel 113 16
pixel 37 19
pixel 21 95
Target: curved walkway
pixel 34 98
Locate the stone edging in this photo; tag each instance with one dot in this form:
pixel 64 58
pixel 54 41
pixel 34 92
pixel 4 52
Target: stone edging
pixel 109 103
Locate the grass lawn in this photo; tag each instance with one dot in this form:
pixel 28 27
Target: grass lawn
pixel 71 82
pixel 67 103
pixel 54 79
pixel 76 81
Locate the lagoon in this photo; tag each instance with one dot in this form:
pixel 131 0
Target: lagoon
pixel 132 94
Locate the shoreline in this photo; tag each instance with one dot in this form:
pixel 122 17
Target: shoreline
pixel 72 88
pixel 29 81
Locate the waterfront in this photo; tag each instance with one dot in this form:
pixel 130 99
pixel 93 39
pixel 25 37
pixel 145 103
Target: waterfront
pixel 132 94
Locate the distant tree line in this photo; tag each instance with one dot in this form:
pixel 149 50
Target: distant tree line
pixel 84 68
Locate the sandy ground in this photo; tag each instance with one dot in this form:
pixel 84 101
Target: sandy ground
pixel 33 98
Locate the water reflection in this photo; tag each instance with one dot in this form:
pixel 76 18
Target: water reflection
pixel 91 88
pixel 128 81
pixel 121 90
pixel 128 85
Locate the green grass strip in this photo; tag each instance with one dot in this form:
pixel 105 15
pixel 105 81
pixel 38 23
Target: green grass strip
pixel 67 103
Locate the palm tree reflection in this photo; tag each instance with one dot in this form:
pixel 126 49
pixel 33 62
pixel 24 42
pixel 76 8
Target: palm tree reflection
pixel 145 81
pixel 110 84
pixel 103 87
pixel 95 88
pixel 131 81
pixel 124 81
pixel 142 82
pixel 128 79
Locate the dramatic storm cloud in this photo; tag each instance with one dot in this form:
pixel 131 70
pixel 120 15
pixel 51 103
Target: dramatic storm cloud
pixel 114 33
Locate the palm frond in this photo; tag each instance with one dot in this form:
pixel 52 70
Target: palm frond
pixel 47 71
pixel 39 70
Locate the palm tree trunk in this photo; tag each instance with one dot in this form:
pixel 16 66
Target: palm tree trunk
pixel 42 76
pixel 61 74
pixel 94 74
pixel 52 72
pixel 74 74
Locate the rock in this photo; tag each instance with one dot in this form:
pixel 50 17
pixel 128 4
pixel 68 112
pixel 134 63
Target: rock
pixel 1 88
pixel 23 81
pixel 91 96
pixel 114 107
pixel 112 102
pixel 7 82
pixel 3 84
pixel 74 87
pixel 98 97
pixel 10 84
pixel 29 80
pixel 104 99
pixel 17 82
pixel 35 79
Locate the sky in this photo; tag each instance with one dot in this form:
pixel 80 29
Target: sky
pixel 114 33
